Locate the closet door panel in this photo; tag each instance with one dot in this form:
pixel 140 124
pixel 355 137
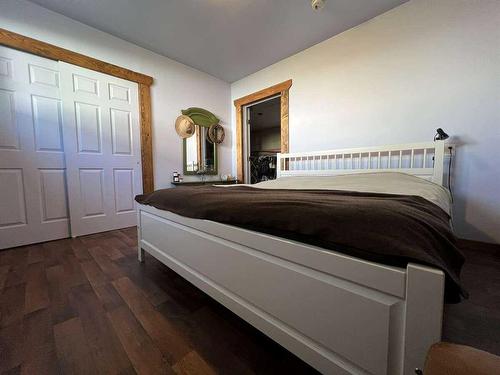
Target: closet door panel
pixel 43 76
pixel 88 127
pixel 85 85
pixel 124 190
pixel 12 204
pixel 33 203
pixel 92 192
pixel 9 135
pixel 121 132
pixel 53 194
pixel 119 93
pixel 5 67
pixel 101 137
pixel 47 121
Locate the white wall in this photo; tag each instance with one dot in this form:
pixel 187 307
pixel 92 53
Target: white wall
pixel 176 86
pixel 395 79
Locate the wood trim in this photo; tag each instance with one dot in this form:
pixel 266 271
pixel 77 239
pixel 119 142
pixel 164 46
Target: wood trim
pixel 283 90
pixel 284 120
pixel 37 47
pixel 148 185
pixel 239 144
pixel 262 94
pixel 50 51
pixel 198 146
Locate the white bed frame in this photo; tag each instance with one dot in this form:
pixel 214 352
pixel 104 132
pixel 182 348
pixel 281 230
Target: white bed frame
pixel 340 314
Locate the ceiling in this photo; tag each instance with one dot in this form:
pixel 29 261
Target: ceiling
pixel 228 39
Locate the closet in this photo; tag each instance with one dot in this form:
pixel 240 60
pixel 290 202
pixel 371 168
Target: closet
pixel 69 150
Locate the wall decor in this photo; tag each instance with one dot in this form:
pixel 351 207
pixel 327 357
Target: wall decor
pixel 184 126
pixel 200 152
pixel 216 133
pixel 201 116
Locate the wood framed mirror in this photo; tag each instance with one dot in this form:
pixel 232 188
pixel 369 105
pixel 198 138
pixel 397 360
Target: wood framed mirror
pixel 199 152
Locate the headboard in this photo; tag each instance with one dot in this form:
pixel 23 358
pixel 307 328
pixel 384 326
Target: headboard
pixel 425 160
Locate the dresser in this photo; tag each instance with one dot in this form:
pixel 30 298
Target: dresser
pixel 207 182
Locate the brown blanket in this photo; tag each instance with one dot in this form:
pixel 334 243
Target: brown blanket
pixel 385 228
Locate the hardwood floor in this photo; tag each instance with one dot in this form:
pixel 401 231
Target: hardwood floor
pixel 87 306
pixel 476 321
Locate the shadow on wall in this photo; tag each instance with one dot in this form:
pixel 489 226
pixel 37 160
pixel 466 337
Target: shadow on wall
pixel 226 149
pixel 464 227
pixel 465 204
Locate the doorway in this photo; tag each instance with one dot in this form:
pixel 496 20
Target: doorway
pixel 263 139
pixel 279 91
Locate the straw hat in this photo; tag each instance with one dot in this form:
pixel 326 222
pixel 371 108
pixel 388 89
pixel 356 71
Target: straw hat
pixel 216 133
pixel 184 126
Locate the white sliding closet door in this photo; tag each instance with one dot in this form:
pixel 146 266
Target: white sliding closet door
pixel 33 203
pixel 102 146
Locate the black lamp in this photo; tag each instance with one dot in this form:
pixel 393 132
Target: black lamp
pixel 440 135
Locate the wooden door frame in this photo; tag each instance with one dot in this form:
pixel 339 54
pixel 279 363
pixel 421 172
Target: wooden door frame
pixel 281 89
pixel 50 51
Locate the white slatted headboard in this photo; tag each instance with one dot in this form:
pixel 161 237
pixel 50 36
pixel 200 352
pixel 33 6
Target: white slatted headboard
pixel 425 160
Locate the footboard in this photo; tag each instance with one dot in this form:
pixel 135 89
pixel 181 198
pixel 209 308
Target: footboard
pixel 340 314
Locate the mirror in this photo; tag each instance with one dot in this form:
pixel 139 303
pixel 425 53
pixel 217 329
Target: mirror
pixel 200 154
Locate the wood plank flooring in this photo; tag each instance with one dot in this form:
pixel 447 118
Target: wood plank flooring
pixel 86 306
pixel 476 321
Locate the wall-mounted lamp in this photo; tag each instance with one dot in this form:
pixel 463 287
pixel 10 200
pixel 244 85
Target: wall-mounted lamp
pixel 440 135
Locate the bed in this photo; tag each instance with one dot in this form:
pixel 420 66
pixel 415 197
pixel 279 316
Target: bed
pixel 340 313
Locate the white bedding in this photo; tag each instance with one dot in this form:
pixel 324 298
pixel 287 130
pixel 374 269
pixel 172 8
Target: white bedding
pixel 382 182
